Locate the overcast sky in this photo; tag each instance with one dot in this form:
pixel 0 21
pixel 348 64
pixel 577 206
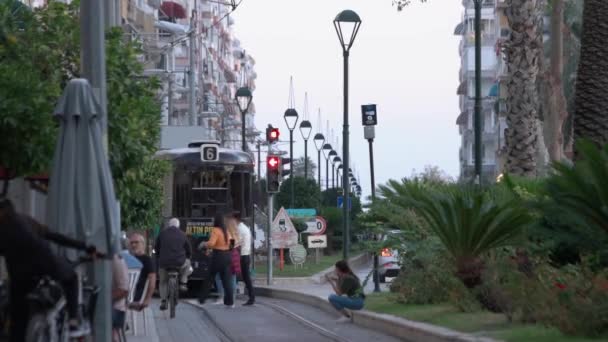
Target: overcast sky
pixel 405 62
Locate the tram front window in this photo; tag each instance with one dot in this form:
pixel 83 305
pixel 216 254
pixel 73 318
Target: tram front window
pixel 209 192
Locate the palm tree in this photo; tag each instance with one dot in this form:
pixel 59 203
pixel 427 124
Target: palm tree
pixel 591 96
pixel 468 221
pixel 523 51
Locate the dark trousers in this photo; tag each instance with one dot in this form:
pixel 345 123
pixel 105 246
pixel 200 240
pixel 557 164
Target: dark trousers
pixel 246 275
pixel 220 264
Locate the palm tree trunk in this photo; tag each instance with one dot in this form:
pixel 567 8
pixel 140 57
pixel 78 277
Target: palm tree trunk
pixel 557 108
pixel 523 53
pixel 591 95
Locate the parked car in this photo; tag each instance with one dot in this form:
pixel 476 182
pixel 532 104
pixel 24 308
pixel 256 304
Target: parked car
pixel 388 260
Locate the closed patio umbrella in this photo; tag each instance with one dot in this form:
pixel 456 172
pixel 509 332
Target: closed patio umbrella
pixel 81 201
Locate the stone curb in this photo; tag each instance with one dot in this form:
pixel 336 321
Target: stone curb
pixel 395 326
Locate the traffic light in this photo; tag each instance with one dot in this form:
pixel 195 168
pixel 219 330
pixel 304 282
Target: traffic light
pixel 272 134
pixel 273 173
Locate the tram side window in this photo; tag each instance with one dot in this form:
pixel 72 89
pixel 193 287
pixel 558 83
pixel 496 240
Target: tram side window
pixel 240 192
pixel 181 197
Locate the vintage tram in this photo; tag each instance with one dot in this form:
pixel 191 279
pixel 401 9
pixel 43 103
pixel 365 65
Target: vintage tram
pixel 199 186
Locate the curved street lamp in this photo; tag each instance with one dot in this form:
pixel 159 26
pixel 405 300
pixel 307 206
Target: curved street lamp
pixel 291 119
pixel 243 99
pixel 332 155
pixel 326 150
pixel 347 24
pixel 319 140
pixel 305 129
pixel 338 163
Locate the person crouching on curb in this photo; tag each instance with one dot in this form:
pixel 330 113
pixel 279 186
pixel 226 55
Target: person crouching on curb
pixel 349 292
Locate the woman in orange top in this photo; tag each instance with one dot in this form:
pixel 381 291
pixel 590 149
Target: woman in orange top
pixel 221 243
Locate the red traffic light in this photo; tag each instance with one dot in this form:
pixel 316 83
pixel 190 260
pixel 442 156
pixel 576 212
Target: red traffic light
pixel 274 134
pixel 273 162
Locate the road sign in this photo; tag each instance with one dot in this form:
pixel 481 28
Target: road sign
pixel 316 226
pixel 369 115
pixel 297 254
pixel 302 212
pixel 210 153
pixel 283 233
pixel 317 241
pixel 341 201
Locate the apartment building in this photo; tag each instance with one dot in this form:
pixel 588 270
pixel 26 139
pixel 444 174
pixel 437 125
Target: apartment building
pixel 184 36
pixel 491 65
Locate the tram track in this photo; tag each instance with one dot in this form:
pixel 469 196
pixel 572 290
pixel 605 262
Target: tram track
pixel 225 336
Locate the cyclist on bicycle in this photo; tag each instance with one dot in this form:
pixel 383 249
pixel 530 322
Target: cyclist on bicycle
pixel 29 257
pixel 173 251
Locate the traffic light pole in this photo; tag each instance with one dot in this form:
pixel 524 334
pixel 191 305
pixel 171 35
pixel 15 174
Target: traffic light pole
pixel 268 239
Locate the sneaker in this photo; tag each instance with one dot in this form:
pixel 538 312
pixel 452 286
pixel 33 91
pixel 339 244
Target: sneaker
pixel 163 305
pixel 249 302
pixel 183 287
pixel 230 306
pixel 219 301
pixel 343 319
pixel 201 300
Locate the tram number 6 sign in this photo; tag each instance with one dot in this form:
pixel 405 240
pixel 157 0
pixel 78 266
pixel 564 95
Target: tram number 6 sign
pixel 209 153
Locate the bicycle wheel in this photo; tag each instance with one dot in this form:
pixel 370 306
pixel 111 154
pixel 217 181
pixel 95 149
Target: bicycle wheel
pixel 38 329
pixel 172 296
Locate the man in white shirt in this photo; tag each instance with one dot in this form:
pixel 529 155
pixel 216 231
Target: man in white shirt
pixel 245 243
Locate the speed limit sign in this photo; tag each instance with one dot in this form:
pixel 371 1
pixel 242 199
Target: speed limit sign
pixel 320 226
pixel 209 153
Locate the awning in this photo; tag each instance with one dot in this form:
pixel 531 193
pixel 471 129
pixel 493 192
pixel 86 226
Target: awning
pixel 172 27
pixel 173 10
pixel 459 30
pixel 462 88
pixel 493 90
pixel 462 119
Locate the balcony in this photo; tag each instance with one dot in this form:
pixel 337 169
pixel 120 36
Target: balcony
pixel 487 39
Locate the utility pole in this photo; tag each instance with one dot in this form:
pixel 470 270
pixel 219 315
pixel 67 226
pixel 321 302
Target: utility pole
pixel 191 78
pixel 93 66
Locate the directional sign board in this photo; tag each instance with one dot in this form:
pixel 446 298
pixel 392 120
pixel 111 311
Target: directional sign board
pixel 317 241
pixel 368 113
pixel 283 233
pixel 316 226
pixel 210 153
pixel 302 212
pixel 341 202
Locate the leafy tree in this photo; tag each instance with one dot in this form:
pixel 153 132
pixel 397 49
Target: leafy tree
pixel 306 193
pixel 38 54
pixel 469 222
pixel 134 131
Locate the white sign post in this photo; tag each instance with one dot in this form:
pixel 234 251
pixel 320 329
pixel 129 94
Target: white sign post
pixel 317 241
pixel 283 233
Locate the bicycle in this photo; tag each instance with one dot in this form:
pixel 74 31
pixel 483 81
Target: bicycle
pixel 172 290
pixel 49 317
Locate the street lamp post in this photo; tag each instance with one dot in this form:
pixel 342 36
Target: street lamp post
pixel 326 150
pixel 333 155
pixel 370 134
pixel 319 140
pixel 291 119
pixel 347 22
pixel 243 99
pixel 305 129
pixel 477 119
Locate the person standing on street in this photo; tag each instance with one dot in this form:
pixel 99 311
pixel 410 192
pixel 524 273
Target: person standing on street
pixel 221 244
pixel 147 275
pixel 173 251
pixel 245 243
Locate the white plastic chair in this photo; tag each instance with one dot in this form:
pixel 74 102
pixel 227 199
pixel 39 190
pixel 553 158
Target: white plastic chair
pixel 143 312
pixel 133 278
